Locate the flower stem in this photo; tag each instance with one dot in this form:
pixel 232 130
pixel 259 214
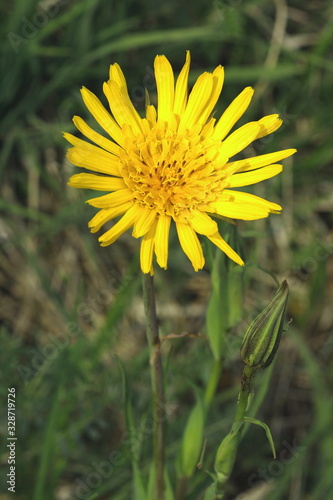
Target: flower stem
pixel 181 488
pixel 226 453
pixel 157 381
pixel 243 397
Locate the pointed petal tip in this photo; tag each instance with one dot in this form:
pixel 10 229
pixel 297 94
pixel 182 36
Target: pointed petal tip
pixel 102 240
pixel 199 268
pixel 188 57
pixel 159 57
pixel 147 271
pixel 114 65
pixel 219 69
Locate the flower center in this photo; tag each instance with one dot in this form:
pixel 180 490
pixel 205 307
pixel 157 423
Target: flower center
pixel 172 173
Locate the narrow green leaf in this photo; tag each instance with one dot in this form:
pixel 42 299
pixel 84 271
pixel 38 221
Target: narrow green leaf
pixel 169 494
pixel 216 318
pixel 126 395
pixel 139 492
pixel 49 440
pixel 168 491
pixel 235 294
pixel 192 439
pixel 267 431
pixel 151 483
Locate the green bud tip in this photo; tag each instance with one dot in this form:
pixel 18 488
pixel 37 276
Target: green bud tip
pixel 262 337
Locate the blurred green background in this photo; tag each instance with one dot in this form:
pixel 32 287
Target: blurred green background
pixel 71 312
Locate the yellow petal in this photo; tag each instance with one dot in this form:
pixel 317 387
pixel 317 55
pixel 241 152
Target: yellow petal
pixel 218 79
pixel 182 87
pixel 98 182
pixel 117 76
pixel 147 250
pixel 240 210
pixel 76 141
pixel 161 241
pixel 190 245
pixel 119 228
pixel 107 214
pixel 223 245
pixel 239 139
pixel 121 106
pixel 112 199
pixel 233 113
pixel 102 117
pixel 97 160
pixel 95 137
pixel 151 115
pixel 197 101
pixel 202 223
pixel 144 221
pixel 208 130
pixel 268 125
pixel 165 87
pixel 257 161
pixel 239 196
pixel 248 178
pixel 146 127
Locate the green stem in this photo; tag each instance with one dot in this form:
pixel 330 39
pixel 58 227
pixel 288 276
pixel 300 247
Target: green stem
pixel 226 453
pixel 181 488
pixel 245 392
pixel 157 381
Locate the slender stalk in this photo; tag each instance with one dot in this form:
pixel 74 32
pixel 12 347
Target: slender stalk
pixel 226 454
pixel 156 368
pixel 181 488
pixel 244 394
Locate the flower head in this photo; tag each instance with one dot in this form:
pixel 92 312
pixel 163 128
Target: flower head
pixel 174 164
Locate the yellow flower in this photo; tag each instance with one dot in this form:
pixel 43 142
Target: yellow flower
pixel 173 164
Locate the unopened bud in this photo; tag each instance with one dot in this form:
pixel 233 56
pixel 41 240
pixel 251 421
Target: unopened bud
pixel 262 337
